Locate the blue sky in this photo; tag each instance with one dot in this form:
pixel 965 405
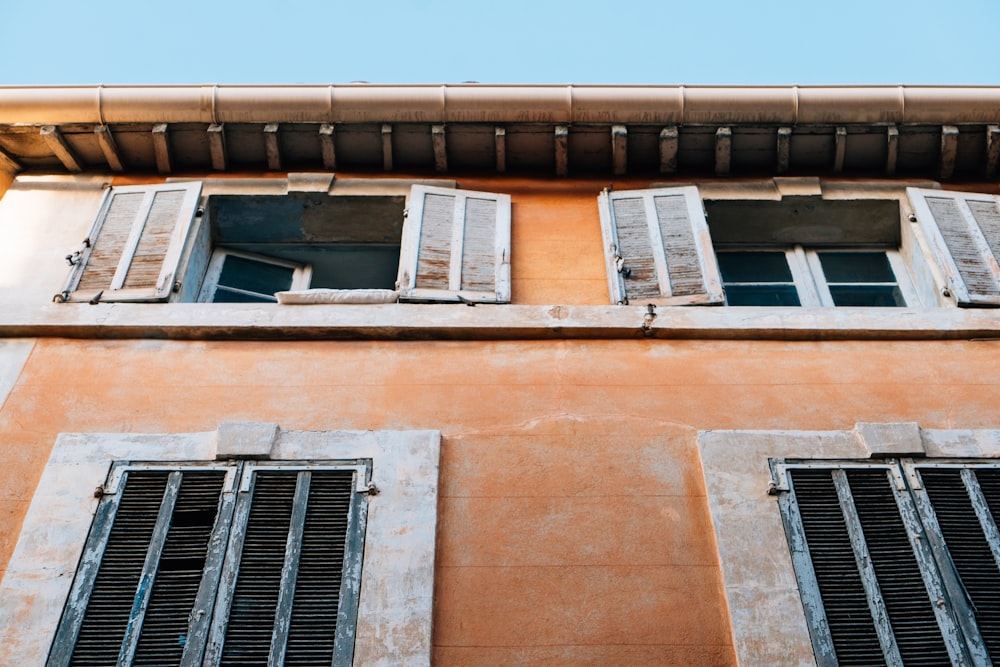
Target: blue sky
pixel 518 41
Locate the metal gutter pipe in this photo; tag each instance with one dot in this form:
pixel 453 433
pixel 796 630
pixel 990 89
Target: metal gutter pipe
pixel 478 103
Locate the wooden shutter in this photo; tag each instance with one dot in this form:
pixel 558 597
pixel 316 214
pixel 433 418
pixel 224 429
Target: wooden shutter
pixel 456 246
pixel 964 232
pixel 292 574
pixel 136 243
pixel 146 566
pixel 657 248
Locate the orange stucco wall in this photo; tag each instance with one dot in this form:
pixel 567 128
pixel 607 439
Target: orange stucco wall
pixel 573 522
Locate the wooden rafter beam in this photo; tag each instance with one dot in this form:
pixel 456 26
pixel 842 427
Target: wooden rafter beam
pixel 217 145
pixel 619 150
pixel 387 147
pixel 327 146
pixel 272 146
pixel 669 142
pixel 784 149
pixel 57 144
pixel 839 149
pixel 440 148
pixel 562 150
pixel 992 149
pixel 106 140
pixel 723 150
pixel 949 150
pixel 892 149
pixel 8 163
pixel 161 148
pixel 500 142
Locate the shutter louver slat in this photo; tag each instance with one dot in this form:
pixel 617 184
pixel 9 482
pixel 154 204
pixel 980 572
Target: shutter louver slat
pixel 479 245
pixel 147 261
pixel 967 546
pixel 114 590
pixel 913 621
pixel 110 241
pixel 434 258
pixel 849 617
pixel 165 628
pixel 966 253
pixel 251 617
pixel 317 591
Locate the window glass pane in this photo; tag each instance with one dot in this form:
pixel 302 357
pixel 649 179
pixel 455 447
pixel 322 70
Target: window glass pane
pixel 867 295
pixel 254 276
pixel 856 267
pixel 754 267
pixel 762 295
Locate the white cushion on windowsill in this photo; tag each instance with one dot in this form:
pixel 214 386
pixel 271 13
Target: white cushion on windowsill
pixel 350 296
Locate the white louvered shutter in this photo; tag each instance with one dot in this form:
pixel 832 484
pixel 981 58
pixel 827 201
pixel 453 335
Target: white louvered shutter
pixel 658 249
pixel 456 246
pixel 136 243
pixel 963 229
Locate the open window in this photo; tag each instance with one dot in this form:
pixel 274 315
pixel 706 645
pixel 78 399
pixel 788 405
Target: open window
pixel 163 243
pixel 669 246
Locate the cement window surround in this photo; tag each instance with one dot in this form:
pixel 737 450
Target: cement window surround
pixel 768 622
pixel 397 582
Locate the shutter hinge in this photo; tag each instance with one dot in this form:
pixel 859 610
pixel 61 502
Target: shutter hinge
pixel 370 489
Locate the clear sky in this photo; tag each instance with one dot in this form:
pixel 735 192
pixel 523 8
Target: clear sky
pixel 518 41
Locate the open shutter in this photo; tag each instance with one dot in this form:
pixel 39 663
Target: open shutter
pixel 657 247
pixel 964 231
pixel 456 246
pixel 136 243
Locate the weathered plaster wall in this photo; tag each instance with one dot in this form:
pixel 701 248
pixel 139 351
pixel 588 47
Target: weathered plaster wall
pixel 574 525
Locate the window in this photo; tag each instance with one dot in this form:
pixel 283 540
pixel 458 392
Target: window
pixel 662 247
pixel 896 561
pixel 249 563
pixel 169 243
pixel 798 276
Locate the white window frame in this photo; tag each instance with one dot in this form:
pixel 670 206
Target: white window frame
pixel 810 281
pixel 301 276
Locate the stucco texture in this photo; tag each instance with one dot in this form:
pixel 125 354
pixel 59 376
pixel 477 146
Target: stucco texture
pixel 573 521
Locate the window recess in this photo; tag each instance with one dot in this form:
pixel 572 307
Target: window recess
pixel 898 562
pixel 212 564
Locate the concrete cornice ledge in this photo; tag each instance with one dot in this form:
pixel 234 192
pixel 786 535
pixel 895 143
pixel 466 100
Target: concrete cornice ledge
pixel 490 322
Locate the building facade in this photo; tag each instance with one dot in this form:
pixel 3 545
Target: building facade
pixel 465 375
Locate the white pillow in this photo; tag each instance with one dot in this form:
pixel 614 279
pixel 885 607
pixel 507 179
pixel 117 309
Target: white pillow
pixel 307 296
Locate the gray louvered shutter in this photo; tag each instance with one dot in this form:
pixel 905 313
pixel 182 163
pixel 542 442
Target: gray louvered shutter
pixel 147 564
pixel 964 232
pixel 136 243
pixel 866 566
pixel 456 246
pixel 292 574
pixel 658 249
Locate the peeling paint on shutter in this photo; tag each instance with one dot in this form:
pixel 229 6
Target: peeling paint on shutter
pixel 456 246
pixel 137 241
pixel 658 248
pixel 964 232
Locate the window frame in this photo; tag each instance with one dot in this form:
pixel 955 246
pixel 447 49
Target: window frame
pixel 399 544
pixel 301 273
pixel 810 281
